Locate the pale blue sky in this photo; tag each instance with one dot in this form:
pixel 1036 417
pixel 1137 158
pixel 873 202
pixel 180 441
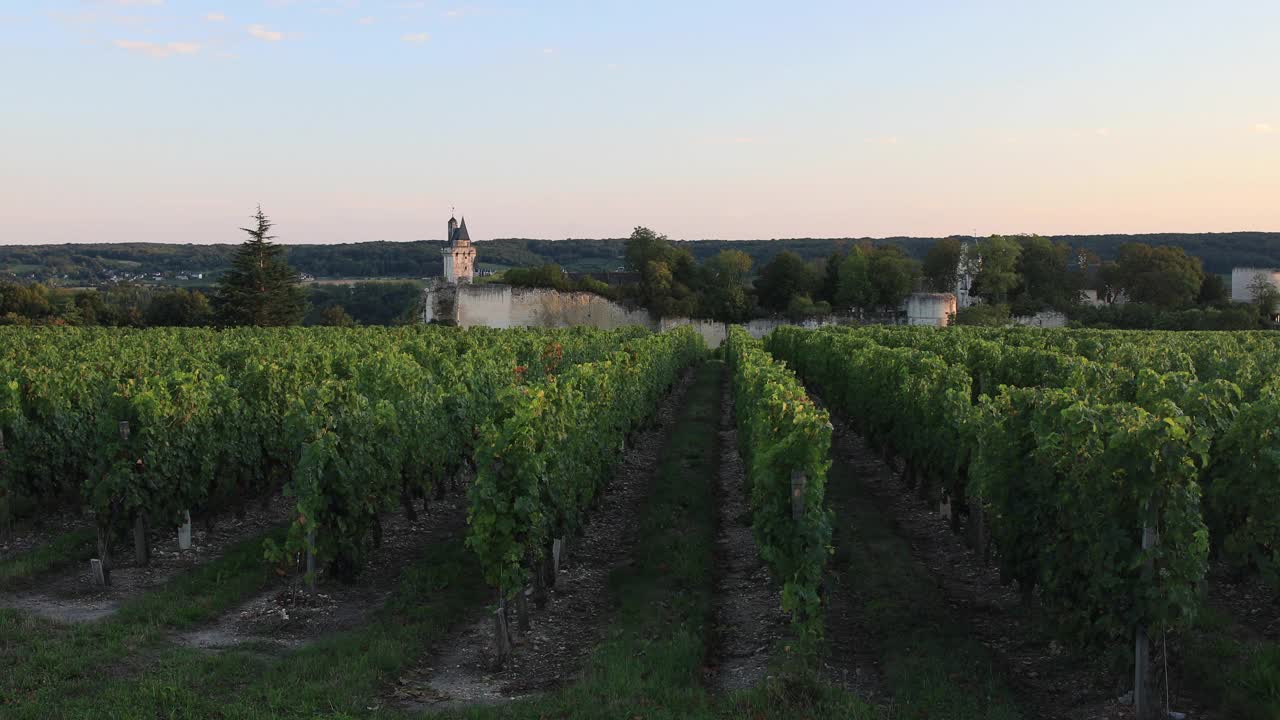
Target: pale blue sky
pixel 168 120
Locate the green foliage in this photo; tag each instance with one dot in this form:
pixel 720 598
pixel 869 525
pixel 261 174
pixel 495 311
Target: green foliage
pixel 1048 277
pixel 1213 290
pixel 260 288
pixel 853 280
pixel 1071 483
pixel 803 307
pixel 1142 316
pixel 893 276
pixel 548 448
pixel 670 278
pixel 941 265
pixel 782 434
pixel 984 314
pixel 997 273
pixel 178 308
pixel 348 422
pixel 1163 276
pixel 367 303
pixel 336 316
pixel 783 278
pixel 544 276
pixel 1073 442
pixel 88 263
pixel 726 295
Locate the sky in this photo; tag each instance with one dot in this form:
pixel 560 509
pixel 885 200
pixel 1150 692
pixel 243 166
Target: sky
pixel 357 120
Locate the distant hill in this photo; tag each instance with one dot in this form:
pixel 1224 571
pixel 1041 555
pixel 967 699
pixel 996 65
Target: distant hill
pixel 87 264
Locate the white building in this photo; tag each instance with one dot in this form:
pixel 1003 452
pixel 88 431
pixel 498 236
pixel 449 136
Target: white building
pixel 930 308
pixel 1243 280
pixel 966 269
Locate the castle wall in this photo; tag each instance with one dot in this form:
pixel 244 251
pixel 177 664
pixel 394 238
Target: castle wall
pixel 503 306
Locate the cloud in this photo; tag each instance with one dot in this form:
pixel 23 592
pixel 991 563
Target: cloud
pixel 882 140
pixel 549 51
pixel 1264 128
pixel 158 50
pixel 415 38
pixel 215 17
pixel 366 21
pixel 1102 132
pixel 262 33
pixel 129 3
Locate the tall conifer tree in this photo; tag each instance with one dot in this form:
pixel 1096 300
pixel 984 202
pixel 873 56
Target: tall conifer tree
pixel 260 288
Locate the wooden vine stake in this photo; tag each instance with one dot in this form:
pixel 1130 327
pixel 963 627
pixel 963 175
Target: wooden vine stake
pixel 798 484
pixel 978 528
pixel 100 567
pixel 540 583
pixel 1144 705
pixel 557 547
pixel 311 560
pixel 501 633
pixel 522 610
pixel 141 546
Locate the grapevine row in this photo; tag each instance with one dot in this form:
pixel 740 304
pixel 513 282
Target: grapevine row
pixel 140 426
pixel 1066 481
pixel 785 440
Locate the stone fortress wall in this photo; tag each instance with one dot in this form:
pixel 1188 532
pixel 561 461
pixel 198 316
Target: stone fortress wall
pixel 504 306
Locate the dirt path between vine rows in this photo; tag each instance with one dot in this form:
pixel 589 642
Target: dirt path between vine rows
pixel 748 617
pixel 1046 681
pixel 288 615
pixel 1248 601
pixel 579 607
pixel 68 595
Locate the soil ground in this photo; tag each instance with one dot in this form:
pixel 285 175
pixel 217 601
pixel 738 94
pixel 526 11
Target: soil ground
pixel 1248 601
pixel 579 605
pixel 28 534
pixel 289 615
pixel 68 595
pixel 749 621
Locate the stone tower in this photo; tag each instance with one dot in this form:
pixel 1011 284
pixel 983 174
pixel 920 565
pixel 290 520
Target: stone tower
pixel 459 254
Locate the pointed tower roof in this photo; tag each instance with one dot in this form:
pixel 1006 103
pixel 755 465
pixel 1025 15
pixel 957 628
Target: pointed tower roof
pixel 461 235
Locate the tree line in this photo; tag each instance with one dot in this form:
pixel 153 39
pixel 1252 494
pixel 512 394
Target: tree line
pixel 93 263
pixel 1144 286
pixel 260 288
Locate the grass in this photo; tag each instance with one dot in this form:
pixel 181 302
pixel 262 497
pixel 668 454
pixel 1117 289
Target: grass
pixel 932 668
pixel 128 666
pixel 1242 677
pixel 52 663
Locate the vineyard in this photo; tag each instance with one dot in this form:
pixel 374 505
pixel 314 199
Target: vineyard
pixel 524 523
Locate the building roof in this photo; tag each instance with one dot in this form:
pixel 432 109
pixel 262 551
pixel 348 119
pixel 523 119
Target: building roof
pixel 460 234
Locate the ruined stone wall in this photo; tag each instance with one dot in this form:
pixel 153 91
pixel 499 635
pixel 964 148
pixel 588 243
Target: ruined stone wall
pixel 504 306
